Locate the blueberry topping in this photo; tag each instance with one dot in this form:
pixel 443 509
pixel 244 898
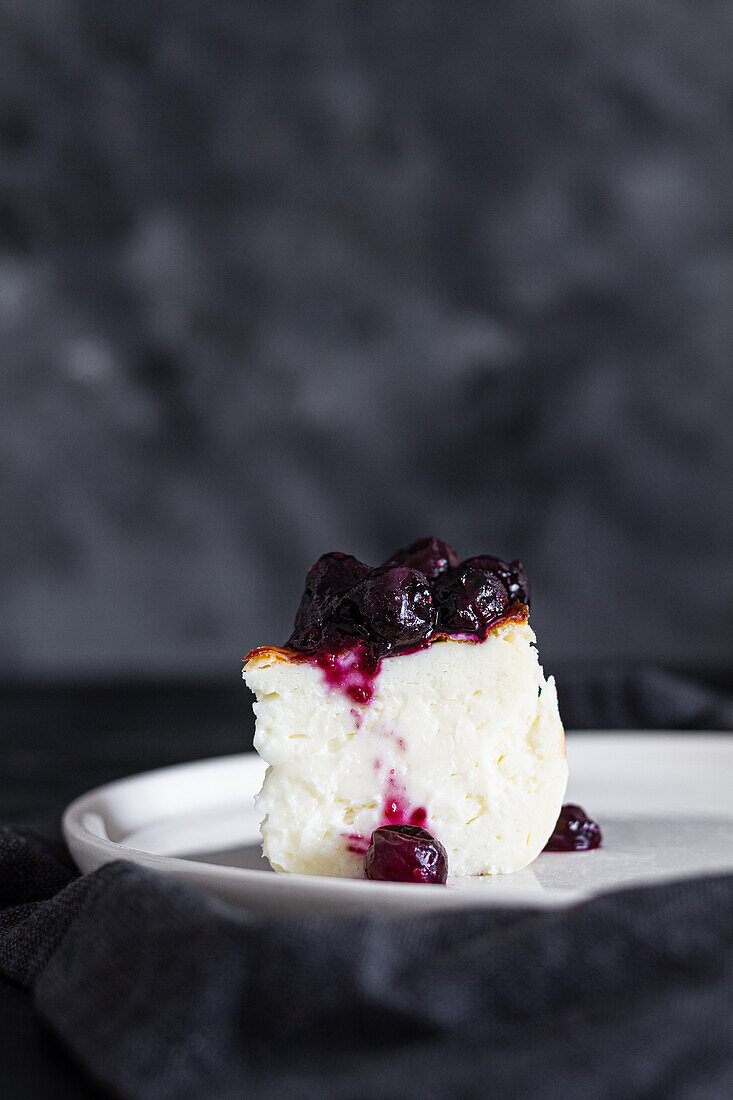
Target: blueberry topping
pixel 470 599
pixel 513 576
pixel 393 607
pixel 331 576
pixel 431 556
pixel 405 853
pixel 574 831
pixel 399 606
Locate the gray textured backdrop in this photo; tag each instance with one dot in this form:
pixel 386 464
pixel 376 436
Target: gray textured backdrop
pixel 282 278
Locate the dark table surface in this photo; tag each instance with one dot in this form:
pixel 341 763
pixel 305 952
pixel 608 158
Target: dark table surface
pixel 61 740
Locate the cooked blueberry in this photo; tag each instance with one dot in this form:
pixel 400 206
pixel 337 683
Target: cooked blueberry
pixel 431 556
pixel 469 599
pixel 574 831
pixel 512 575
pixel 405 853
pixel 327 580
pixel 392 607
pixel 422 588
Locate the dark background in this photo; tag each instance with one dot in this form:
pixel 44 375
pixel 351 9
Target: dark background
pixel 281 278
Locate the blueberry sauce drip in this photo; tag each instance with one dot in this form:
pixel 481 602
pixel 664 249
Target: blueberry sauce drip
pixel 352 670
pixel 405 853
pixel 397 807
pixel 396 810
pixel 574 831
pixel 351 616
pixel 357 844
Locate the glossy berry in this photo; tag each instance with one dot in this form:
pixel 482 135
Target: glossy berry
pixel 405 853
pixel 431 556
pixel 512 575
pixel 393 608
pixel 469 599
pixel 398 606
pixel 327 580
pixel 574 831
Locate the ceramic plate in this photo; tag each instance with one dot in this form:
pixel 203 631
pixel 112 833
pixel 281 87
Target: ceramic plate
pixel 664 802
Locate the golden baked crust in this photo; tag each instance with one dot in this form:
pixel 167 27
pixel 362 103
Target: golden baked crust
pixel 518 613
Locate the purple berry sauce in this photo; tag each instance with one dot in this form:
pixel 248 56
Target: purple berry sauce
pixel 352 616
pixel 396 810
pixel 397 807
pixel 574 831
pixel 405 853
pixel 357 844
pixel 352 670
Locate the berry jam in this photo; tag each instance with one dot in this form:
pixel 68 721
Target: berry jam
pixel 405 853
pixel 574 831
pixel 351 616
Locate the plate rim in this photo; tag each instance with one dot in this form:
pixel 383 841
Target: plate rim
pixel 79 837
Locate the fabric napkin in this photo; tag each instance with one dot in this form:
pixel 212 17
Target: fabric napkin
pixel 160 992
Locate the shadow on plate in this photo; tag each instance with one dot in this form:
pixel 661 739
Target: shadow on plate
pixel 247 856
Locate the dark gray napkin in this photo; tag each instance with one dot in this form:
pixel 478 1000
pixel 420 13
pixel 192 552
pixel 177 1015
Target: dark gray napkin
pixel 160 992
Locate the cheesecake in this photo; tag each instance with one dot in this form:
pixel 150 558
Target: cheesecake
pixel 408 694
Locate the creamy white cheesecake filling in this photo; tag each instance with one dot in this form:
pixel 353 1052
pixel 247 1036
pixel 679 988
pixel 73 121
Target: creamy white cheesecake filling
pixel 463 737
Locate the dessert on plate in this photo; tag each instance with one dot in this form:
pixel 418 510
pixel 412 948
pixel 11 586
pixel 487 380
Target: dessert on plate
pixel 408 694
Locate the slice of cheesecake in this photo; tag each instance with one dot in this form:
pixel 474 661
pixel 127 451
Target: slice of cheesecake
pixel 411 693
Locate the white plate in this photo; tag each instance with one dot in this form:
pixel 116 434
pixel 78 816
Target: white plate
pixel 664 802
